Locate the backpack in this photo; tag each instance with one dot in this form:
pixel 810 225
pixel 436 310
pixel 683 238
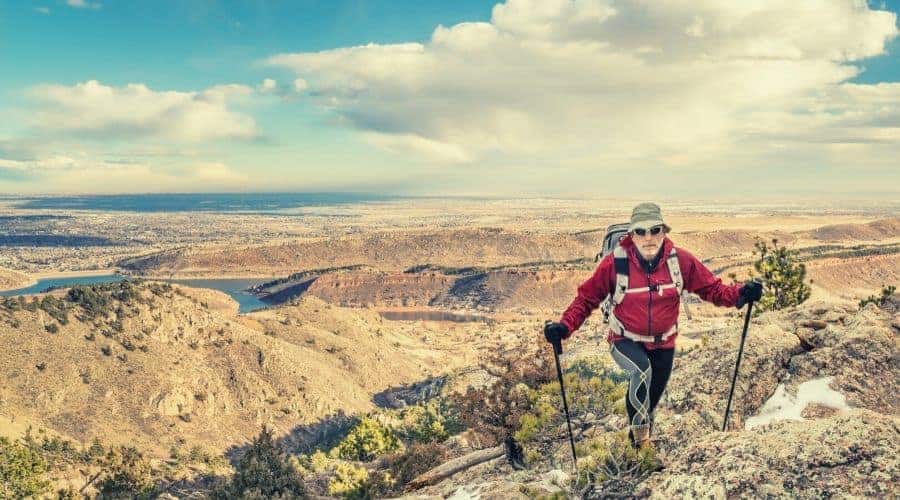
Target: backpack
pixel 611 239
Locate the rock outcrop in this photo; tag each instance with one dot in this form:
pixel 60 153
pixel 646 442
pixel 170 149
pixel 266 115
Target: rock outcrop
pixel 839 367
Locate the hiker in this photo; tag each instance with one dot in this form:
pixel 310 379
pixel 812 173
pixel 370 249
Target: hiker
pixel 645 275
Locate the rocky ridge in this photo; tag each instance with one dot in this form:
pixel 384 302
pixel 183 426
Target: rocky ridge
pixel 829 450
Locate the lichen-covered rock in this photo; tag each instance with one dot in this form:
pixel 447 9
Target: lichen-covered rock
pixel 686 486
pixel 832 452
pixel 857 454
pixel 697 393
pixel 861 355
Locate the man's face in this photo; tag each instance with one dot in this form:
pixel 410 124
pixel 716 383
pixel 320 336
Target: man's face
pixel 648 244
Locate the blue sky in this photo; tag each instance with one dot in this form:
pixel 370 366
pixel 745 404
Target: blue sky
pixel 524 96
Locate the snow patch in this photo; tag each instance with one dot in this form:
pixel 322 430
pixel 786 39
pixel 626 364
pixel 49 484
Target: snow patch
pixel 463 493
pixel 781 406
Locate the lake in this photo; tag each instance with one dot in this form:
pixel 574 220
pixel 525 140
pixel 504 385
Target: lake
pixel 236 288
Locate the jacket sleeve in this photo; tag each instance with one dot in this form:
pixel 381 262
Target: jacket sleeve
pixel 590 294
pixel 698 279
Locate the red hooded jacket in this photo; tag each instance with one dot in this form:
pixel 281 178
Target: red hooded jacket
pixel 650 313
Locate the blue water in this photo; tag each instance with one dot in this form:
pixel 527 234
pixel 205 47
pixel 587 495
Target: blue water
pixel 236 288
pixel 200 202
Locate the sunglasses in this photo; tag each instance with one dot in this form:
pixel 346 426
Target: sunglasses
pixel 653 231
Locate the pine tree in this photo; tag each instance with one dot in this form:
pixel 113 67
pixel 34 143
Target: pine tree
pixel 782 275
pixel 264 471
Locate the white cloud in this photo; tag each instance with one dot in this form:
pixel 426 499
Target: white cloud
pixel 81 172
pixel 137 111
pixel 42 10
pixel 267 86
pixel 82 4
pixel 621 83
pixel 417 145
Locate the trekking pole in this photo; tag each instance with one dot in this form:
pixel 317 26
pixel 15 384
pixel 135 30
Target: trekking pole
pixel 738 364
pixel 557 350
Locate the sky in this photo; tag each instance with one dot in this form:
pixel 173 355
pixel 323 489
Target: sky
pixel 677 98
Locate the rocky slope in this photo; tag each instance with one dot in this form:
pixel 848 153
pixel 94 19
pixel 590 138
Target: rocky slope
pixel 386 251
pixel 10 279
pixel 838 440
pixel 500 270
pixel 394 251
pixel 495 291
pixel 874 230
pixel 181 366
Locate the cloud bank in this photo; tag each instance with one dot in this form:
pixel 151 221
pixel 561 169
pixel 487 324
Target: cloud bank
pixel 136 111
pixel 84 173
pixel 624 83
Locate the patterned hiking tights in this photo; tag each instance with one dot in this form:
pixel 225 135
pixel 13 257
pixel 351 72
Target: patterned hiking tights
pixel 649 372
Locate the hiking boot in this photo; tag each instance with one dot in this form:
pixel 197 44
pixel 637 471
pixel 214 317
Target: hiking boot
pixel 640 437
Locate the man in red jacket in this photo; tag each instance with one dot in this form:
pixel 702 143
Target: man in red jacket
pixel 645 276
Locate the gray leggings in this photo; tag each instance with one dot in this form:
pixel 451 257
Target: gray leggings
pixel 649 371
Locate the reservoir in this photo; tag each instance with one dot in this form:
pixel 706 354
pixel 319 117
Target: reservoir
pixel 236 288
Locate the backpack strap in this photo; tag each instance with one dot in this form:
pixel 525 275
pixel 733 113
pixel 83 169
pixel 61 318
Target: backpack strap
pixel 620 260
pixel 675 271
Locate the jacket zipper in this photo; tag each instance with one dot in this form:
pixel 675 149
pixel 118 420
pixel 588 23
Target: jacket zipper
pixel 649 306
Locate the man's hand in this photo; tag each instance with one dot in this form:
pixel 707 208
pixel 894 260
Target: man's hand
pixel 751 292
pixel 555 332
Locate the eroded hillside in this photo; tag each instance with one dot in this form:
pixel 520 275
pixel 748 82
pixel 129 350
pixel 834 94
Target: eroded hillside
pixel 159 364
pixel 386 251
pixel 501 270
pixel 12 279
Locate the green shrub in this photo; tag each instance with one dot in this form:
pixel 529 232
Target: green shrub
pixel 494 412
pixel 11 304
pixel 347 481
pixel 597 366
pixel 539 428
pixel 264 471
pixel 610 468
pixel 316 462
pixel 366 441
pixel 887 292
pixel 782 275
pixel 435 420
pixel 127 475
pixel 96 452
pixel 21 470
pixel 91 298
pixel 55 308
pixel 394 472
